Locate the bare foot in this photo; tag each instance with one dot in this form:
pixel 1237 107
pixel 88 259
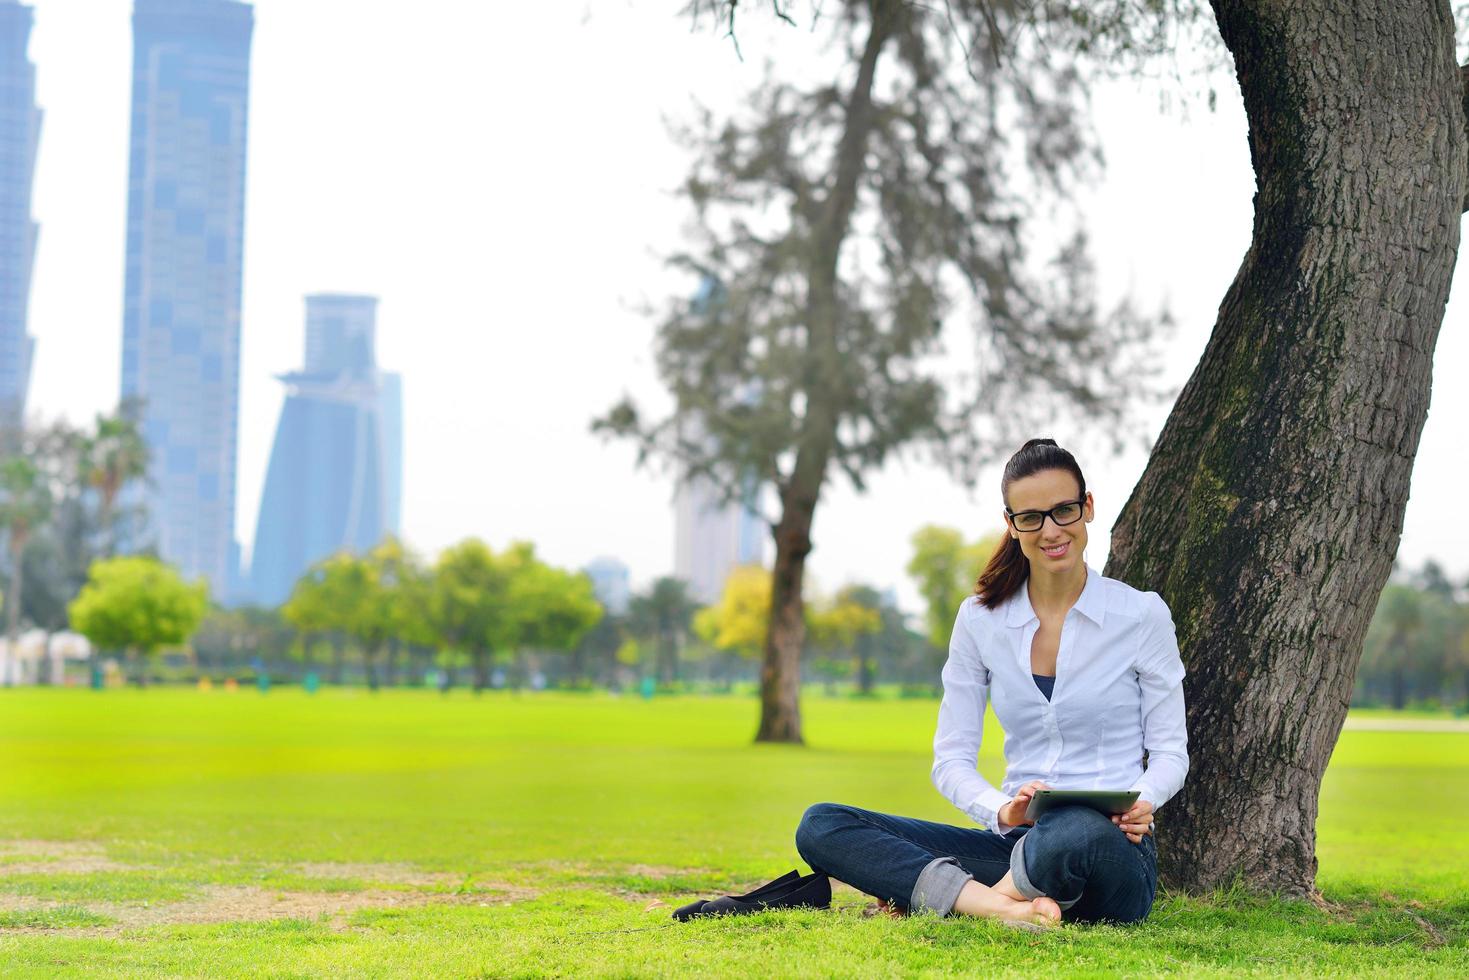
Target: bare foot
pixel 1047 909
pixel 982 900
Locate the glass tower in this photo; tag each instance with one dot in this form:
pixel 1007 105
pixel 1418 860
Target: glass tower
pixel 185 242
pixel 711 536
pixel 20 130
pixel 334 480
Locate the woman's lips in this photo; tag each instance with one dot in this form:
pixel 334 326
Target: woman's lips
pixel 1065 546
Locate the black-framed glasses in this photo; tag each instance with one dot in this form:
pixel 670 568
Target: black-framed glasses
pixel 1032 520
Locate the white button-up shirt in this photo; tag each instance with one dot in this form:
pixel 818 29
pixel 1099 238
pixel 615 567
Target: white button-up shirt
pixel 1118 695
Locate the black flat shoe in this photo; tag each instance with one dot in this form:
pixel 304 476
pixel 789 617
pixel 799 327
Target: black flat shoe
pixel 810 892
pixel 686 912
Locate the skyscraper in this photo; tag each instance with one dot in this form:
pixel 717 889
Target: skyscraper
pixel 335 468
pixel 710 538
pixel 185 243
pixel 20 131
pixel 610 583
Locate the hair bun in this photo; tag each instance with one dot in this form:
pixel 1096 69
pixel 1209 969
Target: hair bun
pixel 1037 442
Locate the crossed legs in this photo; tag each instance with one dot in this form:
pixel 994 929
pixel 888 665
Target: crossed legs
pixel 1074 860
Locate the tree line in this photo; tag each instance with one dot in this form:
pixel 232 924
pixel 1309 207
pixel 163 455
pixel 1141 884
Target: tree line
pixel 63 504
pixel 1417 648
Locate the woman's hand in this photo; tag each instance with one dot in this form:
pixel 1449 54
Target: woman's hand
pixel 1012 814
pixel 1136 822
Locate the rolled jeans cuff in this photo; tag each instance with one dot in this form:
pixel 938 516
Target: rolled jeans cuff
pixel 938 886
pixel 1021 877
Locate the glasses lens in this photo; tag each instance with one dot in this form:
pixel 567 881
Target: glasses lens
pixel 1028 520
pixel 1066 514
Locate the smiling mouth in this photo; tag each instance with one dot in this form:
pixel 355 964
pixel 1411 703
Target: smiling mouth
pixel 1058 551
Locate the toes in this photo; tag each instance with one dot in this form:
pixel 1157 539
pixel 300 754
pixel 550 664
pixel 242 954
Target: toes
pixel 1046 909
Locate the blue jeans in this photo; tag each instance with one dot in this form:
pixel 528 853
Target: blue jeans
pixel 1073 854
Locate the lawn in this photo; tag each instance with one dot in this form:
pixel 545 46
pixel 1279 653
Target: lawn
pixel 180 832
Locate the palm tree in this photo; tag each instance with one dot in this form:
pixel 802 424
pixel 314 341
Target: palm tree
pixel 665 613
pixel 113 456
pixel 25 504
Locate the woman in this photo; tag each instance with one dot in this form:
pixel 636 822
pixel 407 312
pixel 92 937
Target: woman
pixel 1085 677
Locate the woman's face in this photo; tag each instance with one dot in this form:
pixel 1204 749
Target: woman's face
pixel 1051 548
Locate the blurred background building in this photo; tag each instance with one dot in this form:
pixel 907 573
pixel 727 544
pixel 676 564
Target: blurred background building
pixel 710 537
pixel 20 131
pixel 185 243
pixel 335 475
pixel 611 583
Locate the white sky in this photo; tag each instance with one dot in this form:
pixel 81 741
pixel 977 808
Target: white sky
pixel 500 175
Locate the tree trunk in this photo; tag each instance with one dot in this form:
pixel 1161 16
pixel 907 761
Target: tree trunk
pixel 865 672
pixel 370 665
pixel 667 661
pixel 391 665
pixel 780 673
pixel 1269 514
pixel 339 655
pixel 481 670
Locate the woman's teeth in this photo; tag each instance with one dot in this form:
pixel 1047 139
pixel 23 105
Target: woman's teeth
pixel 1057 551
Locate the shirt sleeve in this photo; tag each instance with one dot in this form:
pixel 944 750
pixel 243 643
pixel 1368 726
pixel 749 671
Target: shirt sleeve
pixel 1165 734
pixel 961 729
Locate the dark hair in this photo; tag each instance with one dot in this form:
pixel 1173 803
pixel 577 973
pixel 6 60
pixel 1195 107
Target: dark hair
pixel 1008 567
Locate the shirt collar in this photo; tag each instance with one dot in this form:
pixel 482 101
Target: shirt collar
pixel 1092 603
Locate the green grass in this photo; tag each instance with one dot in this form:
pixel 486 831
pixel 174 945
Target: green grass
pixel 177 832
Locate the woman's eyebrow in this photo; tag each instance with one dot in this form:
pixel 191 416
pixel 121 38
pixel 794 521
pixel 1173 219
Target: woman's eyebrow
pixel 1068 500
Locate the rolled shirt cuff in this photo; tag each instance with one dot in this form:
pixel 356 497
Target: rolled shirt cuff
pixel 938 886
pixel 985 810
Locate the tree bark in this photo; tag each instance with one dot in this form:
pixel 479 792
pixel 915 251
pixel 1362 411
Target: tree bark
pixel 1270 511
pixel 780 671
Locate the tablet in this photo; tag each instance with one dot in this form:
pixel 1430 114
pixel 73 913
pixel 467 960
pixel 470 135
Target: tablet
pixel 1105 801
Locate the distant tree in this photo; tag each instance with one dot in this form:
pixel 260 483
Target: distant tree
pixel 840 625
pixel 410 598
pixel 114 455
pixel 945 568
pixel 550 609
pixel 1392 637
pixel 60 549
pixel 382 601
pixel 469 605
pixel 868 646
pixel 138 605
pixel 25 504
pixel 1431 578
pixel 739 620
pixel 1458 655
pixel 228 639
pixel 838 226
pixel 322 603
pixel 664 614
pixel 596 654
